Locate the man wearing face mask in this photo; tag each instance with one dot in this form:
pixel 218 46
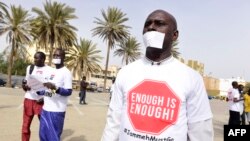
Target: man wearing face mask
pixel 55 99
pixel 158 97
pixel 33 103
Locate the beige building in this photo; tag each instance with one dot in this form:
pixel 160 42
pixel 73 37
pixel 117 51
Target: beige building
pixel 98 78
pixel 212 85
pixel 198 66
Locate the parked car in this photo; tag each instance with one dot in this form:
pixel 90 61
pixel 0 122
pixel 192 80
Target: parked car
pixel 100 89
pixel 210 97
pixel 92 87
pixel 2 82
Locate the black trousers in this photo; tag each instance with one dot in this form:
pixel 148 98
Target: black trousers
pixel 234 118
pixel 243 118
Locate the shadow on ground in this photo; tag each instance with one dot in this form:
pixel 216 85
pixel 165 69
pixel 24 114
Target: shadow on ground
pixel 69 132
pixel 218 127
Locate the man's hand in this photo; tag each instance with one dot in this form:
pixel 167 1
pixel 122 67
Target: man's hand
pixel 25 87
pixel 45 93
pixel 50 85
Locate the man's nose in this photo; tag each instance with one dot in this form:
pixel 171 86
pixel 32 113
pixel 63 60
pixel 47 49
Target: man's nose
pixel 151 27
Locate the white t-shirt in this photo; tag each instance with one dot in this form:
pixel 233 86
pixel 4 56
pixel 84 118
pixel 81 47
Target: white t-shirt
pixel 42 72
pixel 57 103
pixel 156 102
pixel 234 106
pixel 112 88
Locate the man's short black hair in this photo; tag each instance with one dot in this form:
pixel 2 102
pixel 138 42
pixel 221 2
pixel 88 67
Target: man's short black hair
pixel 234 83
pixel 43 56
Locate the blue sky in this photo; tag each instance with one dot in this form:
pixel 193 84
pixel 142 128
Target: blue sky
pixel 214 32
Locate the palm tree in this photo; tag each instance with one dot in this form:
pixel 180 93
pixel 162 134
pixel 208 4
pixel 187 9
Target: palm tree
pixel 174 49
pixel 21 53
pixel 17 26
pixel 52 29
pixel 112 30
pixel 129 50
pixel 3 10
pixel 84 58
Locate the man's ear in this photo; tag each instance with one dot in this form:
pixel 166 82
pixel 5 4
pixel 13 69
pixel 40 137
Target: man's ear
pixel 176 35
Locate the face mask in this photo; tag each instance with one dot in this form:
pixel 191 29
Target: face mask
pixel 153 39
pixel 56 61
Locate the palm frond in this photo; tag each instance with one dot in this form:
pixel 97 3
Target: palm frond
pixel 129 50
pixel 111 29
pixel 83 58
pixel 52 28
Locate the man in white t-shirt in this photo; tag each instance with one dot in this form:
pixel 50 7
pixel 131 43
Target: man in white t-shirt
pixel 235 107
pixel 33 103
pixel 55 99
pixel 158 97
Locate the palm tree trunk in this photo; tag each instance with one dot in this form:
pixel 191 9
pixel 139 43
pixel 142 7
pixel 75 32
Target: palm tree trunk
pixel 82 71
pixel 10 63
pixel 51 53
pixel 106 66
pixel 126 58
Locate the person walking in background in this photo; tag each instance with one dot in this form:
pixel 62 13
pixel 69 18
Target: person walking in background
pixel 247 105
pixel 242 109
pixel 83 87
pixel 233 98
pixel 157 96
pixel 33 103
pixel 55 99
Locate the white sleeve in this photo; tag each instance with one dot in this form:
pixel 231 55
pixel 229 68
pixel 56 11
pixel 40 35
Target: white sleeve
pixel 67 80
pixel 27 72
pixel 200 127
pixel 197 102
pixel 236 94
pixel 201 131
pixel 112 128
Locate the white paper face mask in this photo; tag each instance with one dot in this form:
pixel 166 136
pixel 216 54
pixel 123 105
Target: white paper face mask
pixel 153 39
pixel 56 61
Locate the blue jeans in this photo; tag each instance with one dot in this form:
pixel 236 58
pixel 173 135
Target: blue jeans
pixel 82 97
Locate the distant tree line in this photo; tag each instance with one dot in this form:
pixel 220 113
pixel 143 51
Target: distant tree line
pixel 19 67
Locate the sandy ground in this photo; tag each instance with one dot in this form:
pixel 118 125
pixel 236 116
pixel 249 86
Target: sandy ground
pixel 82 122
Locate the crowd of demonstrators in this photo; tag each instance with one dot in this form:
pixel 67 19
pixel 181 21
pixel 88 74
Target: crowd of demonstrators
pixel 239 104
pixel 153 82
pixel 33 103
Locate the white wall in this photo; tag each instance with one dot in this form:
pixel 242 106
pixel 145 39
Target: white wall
pixel 226 84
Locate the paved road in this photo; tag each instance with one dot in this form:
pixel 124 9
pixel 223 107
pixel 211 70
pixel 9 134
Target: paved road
pixel 82 122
